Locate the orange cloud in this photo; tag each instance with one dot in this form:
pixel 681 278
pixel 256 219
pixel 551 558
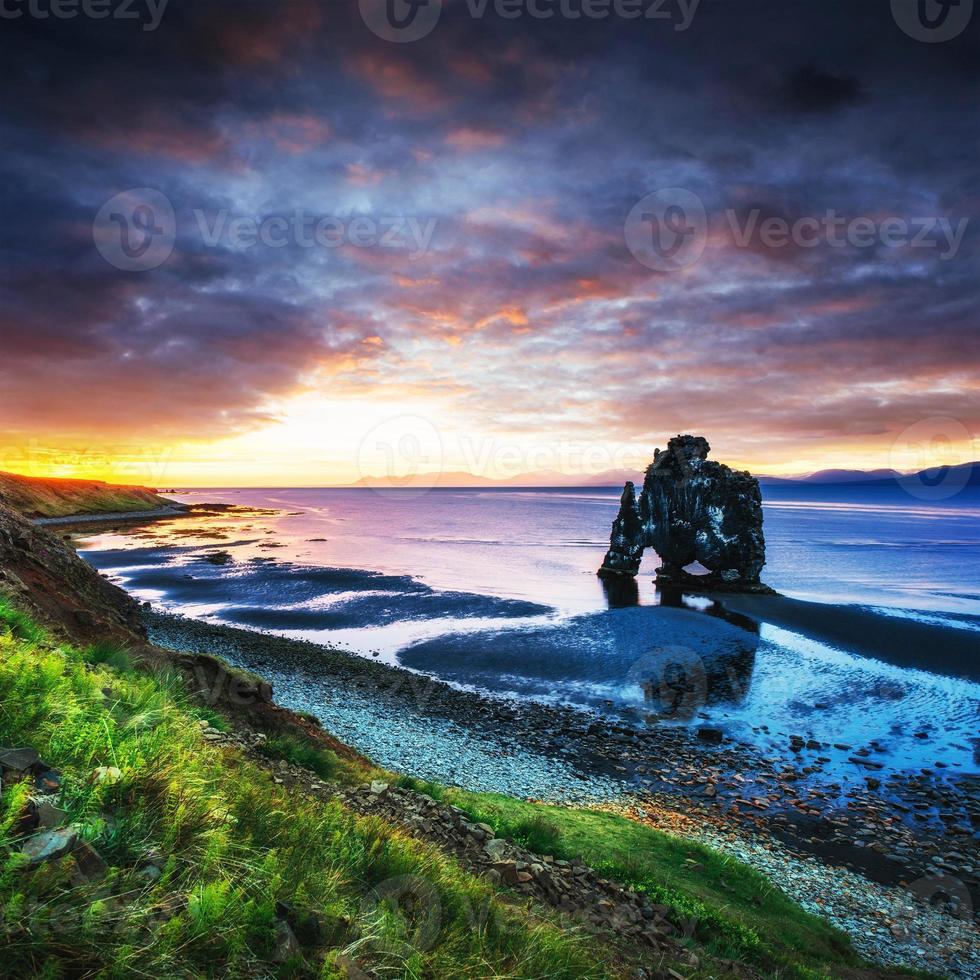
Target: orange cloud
pixel 291 133
pixel 513 315
pixel 469 139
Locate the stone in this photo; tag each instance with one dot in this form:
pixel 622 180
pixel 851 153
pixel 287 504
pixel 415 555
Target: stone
pixel 89 865
pixel 691 509
pixel 713 735
pixel 508 872
pixel 49 816
pixel 19 760
pixel 287 945
pixel 48 781
pixel 151 873
pixel 378 787
pixel 107 775
pixel 218 558
pixel 497 848
pixel 50 845
pixel 307 927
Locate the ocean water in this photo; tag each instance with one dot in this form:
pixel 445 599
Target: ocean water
pixel 496 590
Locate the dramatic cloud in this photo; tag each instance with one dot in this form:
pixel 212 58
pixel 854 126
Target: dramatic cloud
pixel 444 223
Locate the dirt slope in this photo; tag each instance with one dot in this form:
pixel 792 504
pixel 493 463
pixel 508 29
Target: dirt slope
pixel 45 577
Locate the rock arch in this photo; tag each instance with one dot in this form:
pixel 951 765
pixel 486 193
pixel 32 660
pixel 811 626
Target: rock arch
pixel 691 509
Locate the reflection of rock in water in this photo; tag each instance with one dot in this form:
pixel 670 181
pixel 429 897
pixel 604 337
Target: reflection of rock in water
pixel 710 607
pixel 677 682
pixel 621 592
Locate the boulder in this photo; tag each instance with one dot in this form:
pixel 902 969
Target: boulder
pixel 48 781
pixel 89 866
pixel 50 845
pixel 714 736
pixel 508 872
pixel 286 944
pixel 19 760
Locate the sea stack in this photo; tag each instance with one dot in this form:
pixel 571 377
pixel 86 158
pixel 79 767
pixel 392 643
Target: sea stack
pixel 691 509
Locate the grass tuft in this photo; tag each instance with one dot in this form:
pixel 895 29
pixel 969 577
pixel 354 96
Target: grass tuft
pixel 18 625
pixel 233 852
pixel 108 655
pixel 326 764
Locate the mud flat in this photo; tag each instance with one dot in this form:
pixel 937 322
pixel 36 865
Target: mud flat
pixel 899 640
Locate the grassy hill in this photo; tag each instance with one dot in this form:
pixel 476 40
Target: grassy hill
pixel 194 860
pixel 44 497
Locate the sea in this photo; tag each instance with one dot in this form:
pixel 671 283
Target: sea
pixel 495 590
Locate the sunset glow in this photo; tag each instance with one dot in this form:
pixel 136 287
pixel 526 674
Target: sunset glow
pixel 371 235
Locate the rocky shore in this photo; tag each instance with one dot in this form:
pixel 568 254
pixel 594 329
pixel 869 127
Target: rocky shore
pixel 896 842
pixel 890 858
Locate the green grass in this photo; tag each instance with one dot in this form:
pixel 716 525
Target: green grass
pixel 234 844
pixel 326 764
pixel 18 625
pixel 43 497
pixel 109 655
pixel 726 908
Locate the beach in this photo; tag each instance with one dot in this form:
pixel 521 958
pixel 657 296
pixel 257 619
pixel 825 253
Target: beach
pixel 855 856
pixel 831 745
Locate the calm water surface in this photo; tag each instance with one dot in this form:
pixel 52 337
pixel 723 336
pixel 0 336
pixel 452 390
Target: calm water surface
pixel 496 590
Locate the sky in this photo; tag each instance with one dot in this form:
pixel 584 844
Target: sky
pixel 257 243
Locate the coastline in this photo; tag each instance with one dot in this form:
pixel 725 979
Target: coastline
pixel 586 756
pixel 857 865
pixel 133 516
pixel 855 858
pixel 175 511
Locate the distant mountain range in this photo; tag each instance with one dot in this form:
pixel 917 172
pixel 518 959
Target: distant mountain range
pixel 968 473
pixel 835 476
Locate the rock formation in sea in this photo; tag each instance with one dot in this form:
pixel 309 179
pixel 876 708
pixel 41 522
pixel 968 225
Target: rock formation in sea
pixel 691 509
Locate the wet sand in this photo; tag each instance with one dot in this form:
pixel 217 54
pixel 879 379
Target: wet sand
pixel 896 640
